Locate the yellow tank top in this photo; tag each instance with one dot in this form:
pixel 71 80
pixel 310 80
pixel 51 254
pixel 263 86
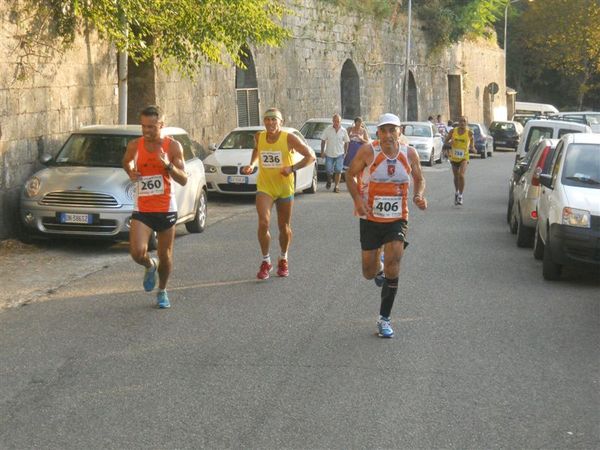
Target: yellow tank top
pixel 271 159
pixel 460 145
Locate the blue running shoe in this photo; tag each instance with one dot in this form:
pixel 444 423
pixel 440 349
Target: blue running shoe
pixel 162 300
pixel 150 276
pixel 379 279
pixel 385 328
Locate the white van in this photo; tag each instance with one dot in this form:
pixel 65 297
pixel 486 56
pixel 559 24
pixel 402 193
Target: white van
pixel 535 109
pixel 537 129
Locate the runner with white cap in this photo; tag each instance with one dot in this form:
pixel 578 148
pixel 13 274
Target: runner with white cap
pixel 378 181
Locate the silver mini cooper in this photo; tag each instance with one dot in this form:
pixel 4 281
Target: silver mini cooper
pixel 84 191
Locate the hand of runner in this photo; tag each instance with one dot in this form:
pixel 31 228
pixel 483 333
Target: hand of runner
pixel 361 208
pixel 134 175
pixel 164 158
pixel 420 201
pixel 286 171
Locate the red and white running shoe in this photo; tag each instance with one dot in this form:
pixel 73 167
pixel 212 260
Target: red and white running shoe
pixel 282 268
pixel 263 272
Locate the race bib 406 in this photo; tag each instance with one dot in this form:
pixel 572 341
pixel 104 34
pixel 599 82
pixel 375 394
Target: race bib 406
pixel 387 207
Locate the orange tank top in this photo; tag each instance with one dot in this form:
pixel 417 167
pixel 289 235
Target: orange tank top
pixel 154 192
pixel 384 186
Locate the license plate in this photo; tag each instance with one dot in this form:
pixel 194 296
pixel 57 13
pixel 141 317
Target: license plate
pixel 75 218
pixel 500 142
pixel 237 180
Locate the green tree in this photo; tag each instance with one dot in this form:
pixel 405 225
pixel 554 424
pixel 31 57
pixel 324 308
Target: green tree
pixel 564 36
pixel 182 34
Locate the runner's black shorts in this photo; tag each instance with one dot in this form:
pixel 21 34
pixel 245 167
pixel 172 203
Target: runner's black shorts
pixel 155 220
pixel 374 234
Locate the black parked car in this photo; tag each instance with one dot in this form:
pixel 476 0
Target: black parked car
pixel 506 134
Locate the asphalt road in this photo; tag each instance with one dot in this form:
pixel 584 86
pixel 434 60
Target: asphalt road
pixel 486 354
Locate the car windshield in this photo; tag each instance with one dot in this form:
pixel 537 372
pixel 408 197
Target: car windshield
pixel 502 126
pixel 94 150
pixel 313 130
pixel 417 130
pixel 582 166
pixel 238 140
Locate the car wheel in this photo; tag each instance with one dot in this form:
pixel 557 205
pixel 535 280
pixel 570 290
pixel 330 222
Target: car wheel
pixel 430 162
pixel 550 270
pixel 538 245
pixel 512 221
pixel 524 234
pixel 199 223
pixel 313 186
pixel 153 242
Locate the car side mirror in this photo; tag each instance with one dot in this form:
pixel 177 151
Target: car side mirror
pixel 212 147
pixel 546 180
pixel 46 159
pixel 520 168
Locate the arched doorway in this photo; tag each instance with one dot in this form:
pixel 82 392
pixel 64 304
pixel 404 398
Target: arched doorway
pixel 350 91
pixel 412 110
pixel 246 89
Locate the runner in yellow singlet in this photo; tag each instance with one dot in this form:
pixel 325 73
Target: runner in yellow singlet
pixel 461 142
pixel 272 153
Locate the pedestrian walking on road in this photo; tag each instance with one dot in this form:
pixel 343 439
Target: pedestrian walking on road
pixel 378 181
pixel 153 163
pixel 272 153
pixel 461 142
pixel 334 146
pixel 358 136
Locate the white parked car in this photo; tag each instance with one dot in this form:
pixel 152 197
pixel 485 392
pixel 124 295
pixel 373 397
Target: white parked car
pixel 568 225
pixel 84 191
pixel 223 165
pixel 525 182
pixel 312 130
pixel 426 139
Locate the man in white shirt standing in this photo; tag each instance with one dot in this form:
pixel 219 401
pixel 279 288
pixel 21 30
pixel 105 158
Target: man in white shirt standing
pixel 334 145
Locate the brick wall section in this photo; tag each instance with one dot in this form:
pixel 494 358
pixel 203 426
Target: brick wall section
pixel 302 78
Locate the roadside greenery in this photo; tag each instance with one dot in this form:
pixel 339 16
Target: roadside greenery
pixel 182 34
pixel 558 49
pixel 445 21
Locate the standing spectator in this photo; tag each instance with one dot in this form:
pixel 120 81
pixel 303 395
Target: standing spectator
pixel 334 146
pixel 358 136
pixel 441 126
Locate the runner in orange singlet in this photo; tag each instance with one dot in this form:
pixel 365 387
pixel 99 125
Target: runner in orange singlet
pixel 378 181
pixel 153 163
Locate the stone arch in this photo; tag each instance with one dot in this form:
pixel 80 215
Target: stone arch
pixel 246 90
pixel 350 90
pixel 412 107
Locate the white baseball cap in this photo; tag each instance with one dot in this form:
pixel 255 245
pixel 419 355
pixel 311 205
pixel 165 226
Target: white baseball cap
pixel 388 119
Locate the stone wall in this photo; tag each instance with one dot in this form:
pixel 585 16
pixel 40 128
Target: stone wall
pixel 302 78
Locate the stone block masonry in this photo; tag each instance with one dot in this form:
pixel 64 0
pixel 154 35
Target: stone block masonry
pixel 303 78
